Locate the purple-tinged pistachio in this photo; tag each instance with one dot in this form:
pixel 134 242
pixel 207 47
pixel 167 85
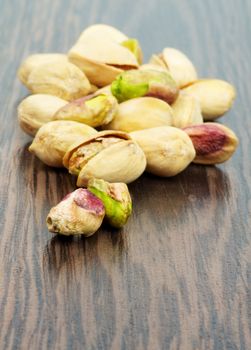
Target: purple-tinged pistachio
pixel 139 83
pixel 93 110
pixel 116 199
pixel 214 143
pixel 79 213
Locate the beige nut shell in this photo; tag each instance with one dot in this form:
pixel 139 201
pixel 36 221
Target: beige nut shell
pixel 36 110
pixel 54 139
pixel 141 113
pixel 168 150
pixel 102 31
pixel 62 79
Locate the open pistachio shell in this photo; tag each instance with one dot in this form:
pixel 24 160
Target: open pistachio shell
pixel 214 95
pixel 104 32
pixel 35 60
pixel 186 111
pixel 116 199
pixel 109 155
pixel 62 79
pixel 168 150
pixel 95 111
pixel 133 46
pixel 79 213
pixel 181 68
pixel 36 110
pixel 53 139
pixel 138 83
pixel 141 113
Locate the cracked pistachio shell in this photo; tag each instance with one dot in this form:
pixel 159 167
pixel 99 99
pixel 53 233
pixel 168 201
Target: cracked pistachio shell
pixel 138 83
pixel 141 113
pixel 151 66
pixel 110 155
pixel 36 110
pixel 168 150
pixel 53 140
pixel 104 32
pixel 157 61
pixel 79 213
pixel 35 60
pixel 181 68
pixel 215 96
pixel 62 79
pixel 186 111
pixel 116 199
pixel 93 111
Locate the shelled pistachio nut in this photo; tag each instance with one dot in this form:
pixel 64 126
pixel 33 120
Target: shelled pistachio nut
pixel 168 150
pixel 141 113
pixel 36 110
pixel 181 68
pixel 36 60
pixel 62 79
pixel 186 111
pixel 138 83
pixel 110 155
pixel 116 199
pixel 215 96
pixel 91 110
pixel 53 140
pixel 79 213
pixel 214 143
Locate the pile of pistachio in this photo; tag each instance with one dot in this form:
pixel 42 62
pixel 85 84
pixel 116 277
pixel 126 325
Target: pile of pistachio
pixel 106 117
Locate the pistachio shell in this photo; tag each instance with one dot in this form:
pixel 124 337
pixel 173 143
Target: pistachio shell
pixel 62 79
pixel 157 61
pixel 120 160
pixel 151 66
pixel 95 111
pixel 104 32
pixel 53 139
pixel 36 60
pixel 80 212
pixel 180 66
pixel 133 46
pixel 36 110
pixel 138 83
pixel 186 111
pixel 168 150
pixel 215 96
pixel 141 113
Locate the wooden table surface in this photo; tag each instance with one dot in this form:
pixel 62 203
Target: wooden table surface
pixel 178 276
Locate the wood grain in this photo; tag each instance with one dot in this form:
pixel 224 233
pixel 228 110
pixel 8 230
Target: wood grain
pixel 178 276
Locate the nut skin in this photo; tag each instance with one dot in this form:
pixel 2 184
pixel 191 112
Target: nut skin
pixel 53 140
pixel 186 111
pixel 141 113
pixel 35 60
pixel 214 143
pixel 93 110
pixel 79 213
pixel 36 110
pixel 62 79
pixel 143 82
pixel 116 199
pixel 168 150
pixel 109 155
pixel 214 95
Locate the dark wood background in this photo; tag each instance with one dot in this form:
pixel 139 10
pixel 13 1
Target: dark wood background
pixel 178 276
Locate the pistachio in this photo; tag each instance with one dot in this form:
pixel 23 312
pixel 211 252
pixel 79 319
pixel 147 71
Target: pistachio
pixel 104 32
pixel 80 212
pixel 214 143
pixel 181 68
pixel 116 199
pixel 141 113
pixel 109 155
pixel 62 79
pixel 168 150
pixel 151 66
pixel 94 111
pixel 133 46
pixel 138 83
pixel 54 138
pixel 36 60
pixel 186 111
pixel 157 61
pixel 36 110
pixel 215 96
